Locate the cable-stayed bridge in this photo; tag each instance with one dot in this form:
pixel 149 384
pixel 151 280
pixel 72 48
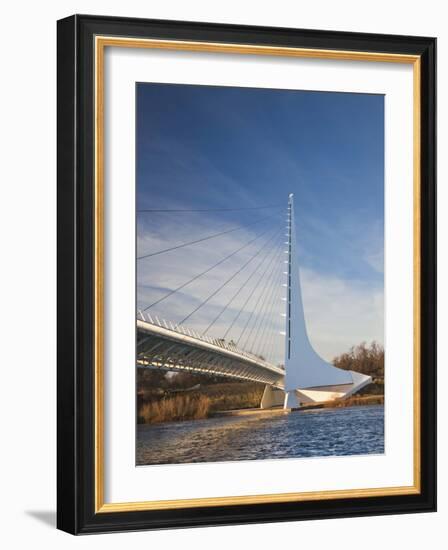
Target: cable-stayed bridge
pixel 255 326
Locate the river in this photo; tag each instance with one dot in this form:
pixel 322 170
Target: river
pixel 313 433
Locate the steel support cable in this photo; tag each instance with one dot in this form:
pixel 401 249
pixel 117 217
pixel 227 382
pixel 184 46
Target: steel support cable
pixel 249 296
pixel 274 333
pixel 261 312
pixel 269 310
pixel 203 239
pixel 265 351
pixel 215 292
pixel 255 270
pixel 178 210
pixel 274 337
pixel 268 314
pixel 258 300
pixel 261 300
pixel 264 312
pixel 174 290
pixel 241 288
pixel 270 350
pixel 270 342
pixel 259 316
pixel 266 346
pixel 261 304
pixel 266 336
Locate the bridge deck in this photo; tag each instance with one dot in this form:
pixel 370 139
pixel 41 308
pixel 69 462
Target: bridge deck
pixel 162 345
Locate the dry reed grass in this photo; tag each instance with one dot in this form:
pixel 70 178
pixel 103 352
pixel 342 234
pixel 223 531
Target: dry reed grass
pixel 179 407
pixel 357 401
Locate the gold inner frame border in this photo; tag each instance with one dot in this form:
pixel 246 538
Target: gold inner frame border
pixel 100 43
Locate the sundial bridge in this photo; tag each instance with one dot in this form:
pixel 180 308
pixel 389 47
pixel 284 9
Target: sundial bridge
pixel 303 378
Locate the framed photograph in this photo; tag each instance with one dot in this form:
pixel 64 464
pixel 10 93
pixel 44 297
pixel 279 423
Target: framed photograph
pixel 246 274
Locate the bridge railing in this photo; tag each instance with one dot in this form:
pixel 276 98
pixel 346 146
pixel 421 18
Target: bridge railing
pixel 180 329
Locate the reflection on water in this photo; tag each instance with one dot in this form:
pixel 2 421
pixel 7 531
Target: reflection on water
pixel 322 432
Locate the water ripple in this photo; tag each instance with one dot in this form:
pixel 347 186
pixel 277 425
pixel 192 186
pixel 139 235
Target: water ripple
pixel 322 432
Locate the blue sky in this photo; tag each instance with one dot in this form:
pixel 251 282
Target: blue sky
pixel 201 147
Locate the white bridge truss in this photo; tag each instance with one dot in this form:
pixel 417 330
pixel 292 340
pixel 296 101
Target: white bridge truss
pixel 161 344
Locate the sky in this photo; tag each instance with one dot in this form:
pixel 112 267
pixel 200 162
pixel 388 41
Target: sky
pixel 235 154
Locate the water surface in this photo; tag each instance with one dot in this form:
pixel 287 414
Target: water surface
pixel 321 432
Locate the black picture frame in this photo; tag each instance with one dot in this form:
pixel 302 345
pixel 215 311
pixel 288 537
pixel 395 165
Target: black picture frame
pixel 76 511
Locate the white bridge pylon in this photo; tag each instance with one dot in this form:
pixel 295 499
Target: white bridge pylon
pixel 308 377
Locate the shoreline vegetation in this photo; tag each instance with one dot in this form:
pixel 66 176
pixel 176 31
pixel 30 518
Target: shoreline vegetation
pixel 168 397
pixel 353 401
pixel 198 401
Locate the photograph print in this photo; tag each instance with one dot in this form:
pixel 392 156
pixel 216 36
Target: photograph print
pixel 259 274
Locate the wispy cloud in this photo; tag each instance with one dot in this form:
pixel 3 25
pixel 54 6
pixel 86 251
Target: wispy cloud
pixel 341 313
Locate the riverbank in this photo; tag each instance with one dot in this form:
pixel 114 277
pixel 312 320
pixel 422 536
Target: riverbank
pixel 220 402
pixel 188 397
pixel 202 401
pixel 250 412
pixel 350 402
pixel 199 407
pixel 355 401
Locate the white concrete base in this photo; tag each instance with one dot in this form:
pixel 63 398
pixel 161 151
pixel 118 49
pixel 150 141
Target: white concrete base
pixel 272 397
pixel 322 394
pixel 291 400
pixel 275 397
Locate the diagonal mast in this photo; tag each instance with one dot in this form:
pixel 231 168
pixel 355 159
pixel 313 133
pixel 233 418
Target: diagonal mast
pixel 304 368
